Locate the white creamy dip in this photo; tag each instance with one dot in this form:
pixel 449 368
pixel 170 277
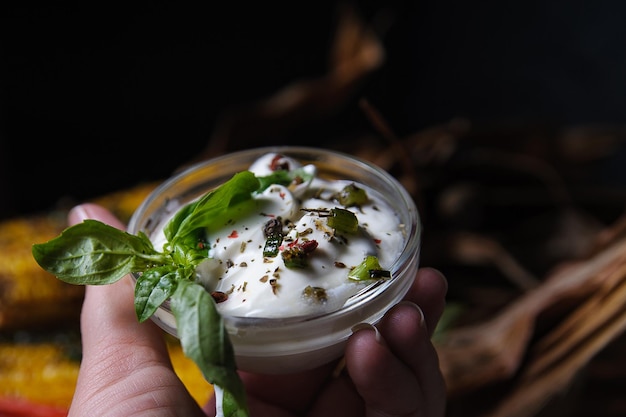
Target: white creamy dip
pixel 260 286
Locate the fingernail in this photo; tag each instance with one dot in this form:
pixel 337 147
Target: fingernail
pixel 93 211
pixel 78 213
pixel 367 326
pixel 422 320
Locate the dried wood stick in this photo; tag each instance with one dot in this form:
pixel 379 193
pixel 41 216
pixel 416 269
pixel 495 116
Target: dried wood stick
pixel 477 355
pixel 534 391
pixel 583 323
pixel 476 249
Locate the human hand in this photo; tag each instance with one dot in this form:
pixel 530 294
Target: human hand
pixel 125 368
pixel 392 369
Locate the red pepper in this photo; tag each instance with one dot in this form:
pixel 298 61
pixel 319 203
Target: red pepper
pixel 19 407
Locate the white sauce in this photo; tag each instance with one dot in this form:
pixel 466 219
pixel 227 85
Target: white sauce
pixel 259 286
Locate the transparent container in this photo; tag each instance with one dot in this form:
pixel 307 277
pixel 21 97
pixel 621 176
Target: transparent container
pixel 293 344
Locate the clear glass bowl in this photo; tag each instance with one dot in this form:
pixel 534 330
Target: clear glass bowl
pixel 286 345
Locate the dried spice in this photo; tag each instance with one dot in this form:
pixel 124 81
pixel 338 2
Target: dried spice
pixel 315 294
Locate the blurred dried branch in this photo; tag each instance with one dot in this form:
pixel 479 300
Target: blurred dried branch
pixel 496 350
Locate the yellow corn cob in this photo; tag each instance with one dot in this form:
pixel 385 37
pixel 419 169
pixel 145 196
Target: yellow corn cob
pixel 42 374
pixel 29 296
pixel 39 373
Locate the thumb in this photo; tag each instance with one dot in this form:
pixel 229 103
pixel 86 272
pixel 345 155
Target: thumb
pixel 93 211
pixel 108 315
pixel 122 358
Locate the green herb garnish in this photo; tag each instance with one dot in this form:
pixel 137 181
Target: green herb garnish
pixel 351 195
pixel 285 177
pixel 368 269
pixel 273 231
pixel 93 253
pixel 342 220
pixel 295 257
pixel 272 245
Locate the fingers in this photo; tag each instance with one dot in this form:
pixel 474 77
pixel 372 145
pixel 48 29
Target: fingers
pixel 395 367
pixel 293 392
pixel 111 307
pixel 429 292
pixel 93 211
pixel 405 331
pixel 125 364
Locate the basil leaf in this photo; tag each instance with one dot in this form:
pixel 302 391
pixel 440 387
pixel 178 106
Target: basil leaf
pixel 93 253
pixel 153 287
pixel 205 340
pixel 212 207
pixel 230 408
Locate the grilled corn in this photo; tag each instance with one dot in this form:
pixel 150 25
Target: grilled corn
pixel 29 296
pixel 43 374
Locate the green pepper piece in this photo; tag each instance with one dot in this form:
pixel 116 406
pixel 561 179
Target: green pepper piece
pixel 368 269
pixel 272 245
pixel 351 195
pixel 295 257
pixel 342 220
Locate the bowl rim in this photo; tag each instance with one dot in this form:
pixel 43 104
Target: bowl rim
pixel 370 292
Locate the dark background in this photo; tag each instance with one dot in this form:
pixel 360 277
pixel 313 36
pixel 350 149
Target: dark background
pixel 97 97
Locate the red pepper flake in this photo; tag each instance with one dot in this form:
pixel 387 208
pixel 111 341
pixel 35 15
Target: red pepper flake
pixel 219 296
pixel 309 246
pixel 276 164
pixel 377 241
pixel 233 235
pixel 282 195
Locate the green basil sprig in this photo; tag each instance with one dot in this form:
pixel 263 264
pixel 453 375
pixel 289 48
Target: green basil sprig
pixel 93 253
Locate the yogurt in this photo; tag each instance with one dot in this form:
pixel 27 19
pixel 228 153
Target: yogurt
pixel 246 282
pixel 283 319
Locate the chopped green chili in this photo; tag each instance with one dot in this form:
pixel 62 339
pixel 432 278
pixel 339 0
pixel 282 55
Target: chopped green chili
pixel 342 220
pixel 368 269
pixel 351 195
